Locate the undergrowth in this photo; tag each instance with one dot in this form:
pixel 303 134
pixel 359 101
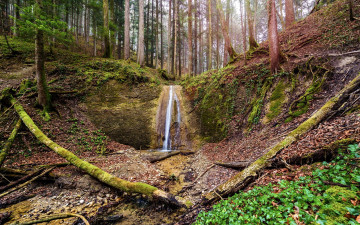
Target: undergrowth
pixel 308 200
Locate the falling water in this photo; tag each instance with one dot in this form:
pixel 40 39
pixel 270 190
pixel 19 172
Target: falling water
pixel 178 120
pixel 167 141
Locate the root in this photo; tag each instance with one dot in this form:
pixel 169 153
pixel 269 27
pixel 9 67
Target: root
pixel 53 217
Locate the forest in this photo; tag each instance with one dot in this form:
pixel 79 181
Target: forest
pixel 179 112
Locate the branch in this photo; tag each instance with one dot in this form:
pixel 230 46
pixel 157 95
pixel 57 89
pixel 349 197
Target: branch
pixel 53 217
pixel 9 142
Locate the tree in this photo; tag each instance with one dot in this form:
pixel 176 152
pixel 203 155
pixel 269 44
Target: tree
pixel 273 38
pixel 169 39
pixel 351 11
pixel 225 31
pixel 250 18
pixel 141 53
pixel 209 37
pixel 190 55
pixel 157 35
pixel 107 52
pixel 289 13
pixel 127 30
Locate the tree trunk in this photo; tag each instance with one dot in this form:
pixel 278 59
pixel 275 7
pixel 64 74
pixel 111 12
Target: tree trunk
pixel 281 16
pixel 351 11
pixel 157 35
pixel 250 18
pixel 289 13
pixel 175 37
pixel 217 35
pixel 152 35
pixel 200 69
pixel 209 37
pixel 243 28
pixel 190 55
pixel 107 53
pixel 196 37
pixel 141 53
pixel 227 23
pixel 112 31
pixel 127 30
pixel 94 171
pixel 169 39
pixel 147 36
pixel 94 35
pixel 273 38
pixel 243 178
pixel 161 36
pixel 225 31
pixel 43 90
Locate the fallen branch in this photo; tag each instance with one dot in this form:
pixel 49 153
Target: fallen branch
pixel 346 53
pixel 95 171
pixel 26 183
pixel 9 142
pixel 243 178
pixel 19 181
pixel 53 217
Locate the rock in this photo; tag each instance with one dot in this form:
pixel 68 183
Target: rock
pixel 89 183
pixel 113 218
pixel 65 183
pixel 82 201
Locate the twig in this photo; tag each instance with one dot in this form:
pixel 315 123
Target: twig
pixel 12 184
pixel 26 183
pixel 346 53
pixel 202 174
pixel 53 217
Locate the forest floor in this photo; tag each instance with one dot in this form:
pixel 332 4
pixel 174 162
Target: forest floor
pixel 189 176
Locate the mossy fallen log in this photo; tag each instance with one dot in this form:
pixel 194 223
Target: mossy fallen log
pixel 243 178
pixel 94 171
pixel 9 142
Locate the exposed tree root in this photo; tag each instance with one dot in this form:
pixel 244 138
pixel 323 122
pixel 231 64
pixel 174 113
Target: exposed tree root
pixel 243 178
pixel 26 183
pixel 9 141
pixel 96 171
pixel 234 165
pixel 53 217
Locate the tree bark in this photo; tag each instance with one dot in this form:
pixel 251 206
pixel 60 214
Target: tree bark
pixel 157 35
pixel 196 37
pixel 209 37
pixel 190 55
pixel 243 28
pixel 111 30
pixel 227 20
pixel 141 53
pixel 169 39
pixel 289 13
pixel 225 31
pixel 94 171
pixel 243 178
pixel 9 142
pixel 273 38
pixel 107 53
pixel 351 11
pixel 250 18
pixel 127 30
pixel 152 35
pixel 175 38
pixel 43 90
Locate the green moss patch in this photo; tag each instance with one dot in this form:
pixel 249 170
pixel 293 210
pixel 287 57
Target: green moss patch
pixel 276 100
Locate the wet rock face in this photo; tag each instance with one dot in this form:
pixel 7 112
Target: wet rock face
pixel 125 113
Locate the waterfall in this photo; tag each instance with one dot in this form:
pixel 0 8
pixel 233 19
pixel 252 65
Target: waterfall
pixel 167 141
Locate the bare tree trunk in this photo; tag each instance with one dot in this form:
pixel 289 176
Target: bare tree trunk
pixel 173 38
pixel 176 6
pixel 250 18
pixel 209 37
pixel 281 15
pixel 43 90
pixel 127 30
pixel 152 34
pixel 289 13
pixel 190 55
pixel 227 23
pixel 351 10
pixel 161 36
pixel 157 35
pixel 200 69
pixel 95 34
pixel 107 53
pixel 273 38
pixel 147 20
pixel 169 39
pixel 196 36
pixel 112 31
pixel 225 31
pixel 141 53
pixel 243 28
pixel 217 35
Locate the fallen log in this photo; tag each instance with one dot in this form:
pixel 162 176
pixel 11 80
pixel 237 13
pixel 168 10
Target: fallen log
pixel 243 178
pixel 234 165
pixel 53 217
pixel 26 183
pixel 95 171
pixel 162 157
pixel 9 142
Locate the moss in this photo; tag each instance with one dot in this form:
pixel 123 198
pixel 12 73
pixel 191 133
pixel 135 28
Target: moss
pixel 276 100
pixel 336 201
pixel 257 105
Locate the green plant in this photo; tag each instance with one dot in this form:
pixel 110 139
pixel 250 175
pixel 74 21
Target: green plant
pixel 308 200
